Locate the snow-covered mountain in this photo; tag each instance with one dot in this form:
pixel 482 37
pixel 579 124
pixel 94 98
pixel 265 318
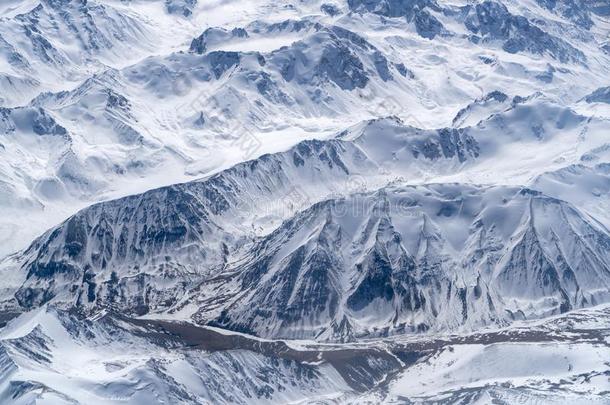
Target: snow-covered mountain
pixel 59 357
pixel 61 41
pixel 148 90
pixel 158 251
pixel 354 201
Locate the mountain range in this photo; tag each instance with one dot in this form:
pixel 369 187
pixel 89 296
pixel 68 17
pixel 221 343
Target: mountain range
pixel 361 201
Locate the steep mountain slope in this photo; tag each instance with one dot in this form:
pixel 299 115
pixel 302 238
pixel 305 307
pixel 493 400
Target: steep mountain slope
pixel 214 247
pixel 147 90
pixel 585 186
pixel 208 217
pixel 412 260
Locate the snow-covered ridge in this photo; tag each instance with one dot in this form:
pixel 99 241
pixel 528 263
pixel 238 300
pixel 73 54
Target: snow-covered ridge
pixel 147 229
pixel 276 74
pixel 55 39
pixel 437 257
pixel 487 21
pixel 50 355
pixel 169 248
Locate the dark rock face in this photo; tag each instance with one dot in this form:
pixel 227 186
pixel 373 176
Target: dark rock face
pixel 183 7
pixel 330 9
pixel 384 277
pixel 339 65
pixel 392 8
pixel 447 143
pixel 14 57
pixel 541 274
pixel 221 61
pixel 38 119
pixel 269 88
pixel 492 21
pixel 497 96
pixel 214 35
pixel 456 142
pixel 547 76
pixel 578 11
pixel 381 64
pixel 427 25
pixel 141 251
pixel 574 10
pixel 302 287
pixel 376 285
pixel 340 60
pixel 404 71
pixel 415 11
pixel 46 125
pixel 316 286
pixel 601 95
pixel 198 45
